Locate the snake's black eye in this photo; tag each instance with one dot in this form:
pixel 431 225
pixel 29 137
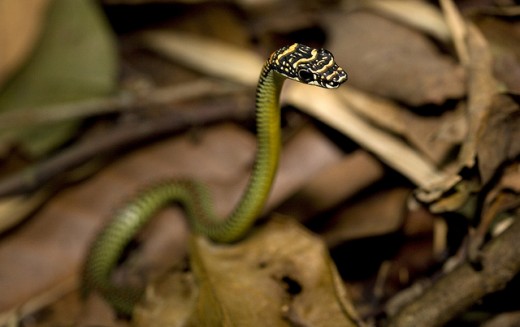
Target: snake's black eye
pixel 305 75
pixel 333 84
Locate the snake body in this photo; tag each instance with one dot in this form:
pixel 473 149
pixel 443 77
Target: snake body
pixel 296 62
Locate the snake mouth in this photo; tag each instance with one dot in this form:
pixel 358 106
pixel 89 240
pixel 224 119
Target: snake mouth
pixel 334 78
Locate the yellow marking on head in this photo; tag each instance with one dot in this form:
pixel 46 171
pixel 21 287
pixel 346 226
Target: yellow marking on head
pixel 286 52
pixel 324 68
pixel 272 57
pixel 314 54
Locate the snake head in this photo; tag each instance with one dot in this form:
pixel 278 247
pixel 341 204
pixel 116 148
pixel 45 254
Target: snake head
pixel 308 65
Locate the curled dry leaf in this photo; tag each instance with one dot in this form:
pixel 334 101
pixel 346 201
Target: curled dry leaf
pixel 499 136
pixel 482 87
pixel 264 280
pixel 503 199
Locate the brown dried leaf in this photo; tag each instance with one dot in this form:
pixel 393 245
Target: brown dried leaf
pixel 507 319
pixel 382 213
pixel 333 184
pixel 169 300
pixel 50 248
pixel 20 26
pixel 328 107
pixel 300 163
pixel 15 209
pixel 440 303
pixel 425 16
pixel 226 61
pixel 272 278
pixel 503 37
pixel 434 136
pixel 503 198
pixel 392 60
pixel 499 136
pixel 482 87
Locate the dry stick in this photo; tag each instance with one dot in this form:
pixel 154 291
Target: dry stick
pixel 124 101
pixel 242 66
pixel 458 29
pixel 125 134
pixel 464 286
pixel 426 17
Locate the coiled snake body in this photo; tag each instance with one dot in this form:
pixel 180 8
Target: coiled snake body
pixel 296 62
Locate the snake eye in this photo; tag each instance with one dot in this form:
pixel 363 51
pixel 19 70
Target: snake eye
pixel 305 76
pixel 333 84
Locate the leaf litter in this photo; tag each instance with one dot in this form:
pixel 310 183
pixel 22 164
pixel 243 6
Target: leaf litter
pixel 281 281
pixel 436 122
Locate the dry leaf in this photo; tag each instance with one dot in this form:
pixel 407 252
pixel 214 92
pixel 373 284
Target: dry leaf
pixel 502 199
pixel 503 36
pixel 52 245
pixel 391 60
pixel 332 185
pixel 328 107
pixel 482 87
pixel 507 319
pixel 421 15
pixel 499 136
pixel 262 281
pixel 465 286
pixel 382 213
pixel 20 27
pixel 226 61
pixel 433 136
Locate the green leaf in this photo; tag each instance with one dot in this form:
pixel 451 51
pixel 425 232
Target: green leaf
pixel 75 60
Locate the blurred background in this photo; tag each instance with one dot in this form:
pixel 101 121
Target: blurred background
pixel 408 174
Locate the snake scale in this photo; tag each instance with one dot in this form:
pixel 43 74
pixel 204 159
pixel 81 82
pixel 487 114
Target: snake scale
pixel 295 62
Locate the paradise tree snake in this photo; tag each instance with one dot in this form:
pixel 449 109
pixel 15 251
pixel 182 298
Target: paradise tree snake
pixel 296 62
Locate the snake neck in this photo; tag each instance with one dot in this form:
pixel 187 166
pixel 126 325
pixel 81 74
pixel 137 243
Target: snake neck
pixel 268 151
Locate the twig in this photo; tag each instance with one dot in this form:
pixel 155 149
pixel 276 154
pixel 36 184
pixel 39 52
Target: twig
pixel 464 286
pixel 329 108
pixel 123 135
pixel 458 29
pixel 123 101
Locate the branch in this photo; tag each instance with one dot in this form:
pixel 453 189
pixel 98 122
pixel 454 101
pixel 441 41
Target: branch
pixel 461 288
pixel 119 137
pixel 124 101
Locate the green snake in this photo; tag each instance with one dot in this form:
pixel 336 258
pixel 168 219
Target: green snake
pixel 296 62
